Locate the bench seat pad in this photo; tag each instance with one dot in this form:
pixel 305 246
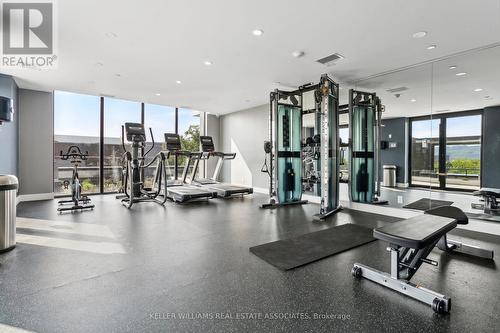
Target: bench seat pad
pixel 416 232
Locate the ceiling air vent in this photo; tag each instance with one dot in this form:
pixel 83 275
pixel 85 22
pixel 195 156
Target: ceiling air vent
pixel 397 90
pixel 331 59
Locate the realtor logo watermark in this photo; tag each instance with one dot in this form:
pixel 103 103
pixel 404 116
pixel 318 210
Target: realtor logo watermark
pixel 28 34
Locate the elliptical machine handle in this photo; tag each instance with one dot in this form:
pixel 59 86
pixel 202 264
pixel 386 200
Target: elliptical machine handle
pixel 152 140
pixel 123 139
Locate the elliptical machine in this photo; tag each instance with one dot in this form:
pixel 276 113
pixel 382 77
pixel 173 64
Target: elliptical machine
pixel 134 167
pixel 79 201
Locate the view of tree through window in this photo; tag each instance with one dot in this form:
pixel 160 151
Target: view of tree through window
pixel 76 122
pixel 189 131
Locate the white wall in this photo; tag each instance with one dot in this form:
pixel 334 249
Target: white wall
pixel 9 130
pixel 213 130
pixel 244 133
pixel 36 137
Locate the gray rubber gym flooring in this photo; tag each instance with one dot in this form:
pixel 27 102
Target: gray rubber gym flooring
pixel 115 270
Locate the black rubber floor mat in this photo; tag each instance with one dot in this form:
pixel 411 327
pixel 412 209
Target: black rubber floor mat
pixel 426 203
pixel 298 251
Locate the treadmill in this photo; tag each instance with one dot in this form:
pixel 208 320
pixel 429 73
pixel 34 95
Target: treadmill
pixel 224 190
pixel 177 189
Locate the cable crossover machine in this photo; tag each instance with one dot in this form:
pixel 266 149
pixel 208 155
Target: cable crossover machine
pixel 285 147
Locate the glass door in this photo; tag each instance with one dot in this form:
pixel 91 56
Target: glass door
pixel 463 152
pixel 425 152
pixel 446 152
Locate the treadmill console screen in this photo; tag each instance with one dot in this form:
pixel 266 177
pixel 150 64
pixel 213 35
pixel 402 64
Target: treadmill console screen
pixel 173 141
pixel 135 132
pixel 207 144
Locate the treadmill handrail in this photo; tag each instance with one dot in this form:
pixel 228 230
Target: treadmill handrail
pixel 227 156
pixel 181 153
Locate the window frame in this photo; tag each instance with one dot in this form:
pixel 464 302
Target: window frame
pixel 102 111
pixel 442 146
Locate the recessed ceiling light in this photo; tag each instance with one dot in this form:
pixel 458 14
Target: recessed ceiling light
pixel 413 100
pixel 431 47
pixel 257 32
pixel 420 34
pixel 478 89
pixel 298 54
pixel 452 67
pixel 461 74
pixel 158 94
pixel 207 63
pixel 178 82
pixel 111 34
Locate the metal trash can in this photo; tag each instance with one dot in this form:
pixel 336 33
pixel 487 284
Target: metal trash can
pixel 389 176
pixel 8 192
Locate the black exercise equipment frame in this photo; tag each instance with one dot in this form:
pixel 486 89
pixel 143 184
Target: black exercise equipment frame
pixel 80 202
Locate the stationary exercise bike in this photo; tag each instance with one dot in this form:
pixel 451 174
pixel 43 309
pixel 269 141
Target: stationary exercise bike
pixel 79 201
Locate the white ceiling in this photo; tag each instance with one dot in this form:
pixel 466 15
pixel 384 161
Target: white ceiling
pixel 435 88
pixel 158 42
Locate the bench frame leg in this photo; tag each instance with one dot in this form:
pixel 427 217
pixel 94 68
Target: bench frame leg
pixel 439 303
pixel 405 263
pixel 450 245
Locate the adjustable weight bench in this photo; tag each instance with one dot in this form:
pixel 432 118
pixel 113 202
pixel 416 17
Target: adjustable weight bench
pixel 410 242
pixel 489 196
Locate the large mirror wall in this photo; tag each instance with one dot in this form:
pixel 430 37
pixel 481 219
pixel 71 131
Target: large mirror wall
pixel 439 129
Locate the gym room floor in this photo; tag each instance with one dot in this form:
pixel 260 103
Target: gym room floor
pixel 408 195
pixel 115 270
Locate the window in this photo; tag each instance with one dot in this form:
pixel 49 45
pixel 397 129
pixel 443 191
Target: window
pixel 116 113
pixel 189 132
pixel 161 120
pixel 425 152
pixel 446 152
pixel 344 154
pixel 463 152
pixel 76 122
